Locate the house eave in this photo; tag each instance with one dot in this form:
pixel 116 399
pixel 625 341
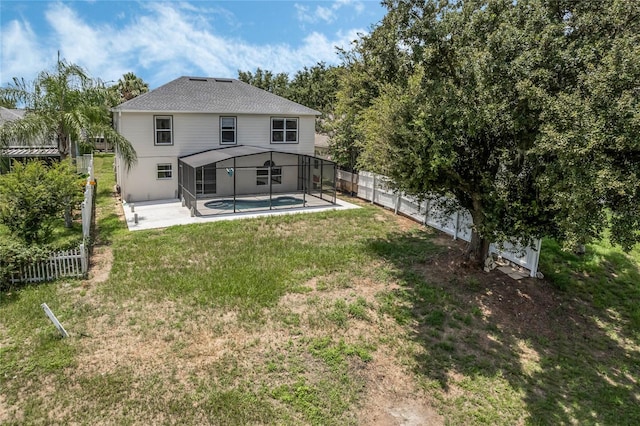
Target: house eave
pixel 267 113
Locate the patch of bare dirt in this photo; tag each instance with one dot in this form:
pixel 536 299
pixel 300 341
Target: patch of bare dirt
pixel 101 262
pixel 391 396
pixel 4 410
pixel 515 305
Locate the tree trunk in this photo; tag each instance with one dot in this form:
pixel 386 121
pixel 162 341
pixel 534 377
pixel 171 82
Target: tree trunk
pixel 68 217
pixel 478 248
pixel 63 146
pixel 68 220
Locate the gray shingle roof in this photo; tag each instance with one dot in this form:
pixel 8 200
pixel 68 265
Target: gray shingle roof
pixel 7 114
pixel 213 95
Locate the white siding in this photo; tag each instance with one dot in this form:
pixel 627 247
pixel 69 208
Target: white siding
pixel 246 174
pixel 142 183
pixel 197 132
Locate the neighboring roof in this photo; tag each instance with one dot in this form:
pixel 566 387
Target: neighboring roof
pixel 34 148
pixel 213 95
pixel 30 152
pixel 7 114
pixel 321 141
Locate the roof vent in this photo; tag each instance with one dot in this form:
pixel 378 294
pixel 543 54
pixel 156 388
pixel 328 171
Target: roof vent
pixel 223 80
pixel 197 79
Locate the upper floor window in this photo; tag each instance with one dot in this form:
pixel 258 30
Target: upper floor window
pixel 284 130
pixel 163 129
pixel 227 130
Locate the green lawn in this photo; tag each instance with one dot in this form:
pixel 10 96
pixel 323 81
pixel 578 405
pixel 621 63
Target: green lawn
pixel 327 318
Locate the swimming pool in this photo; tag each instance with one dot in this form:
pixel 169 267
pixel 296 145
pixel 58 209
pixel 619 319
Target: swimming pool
pixel 249 204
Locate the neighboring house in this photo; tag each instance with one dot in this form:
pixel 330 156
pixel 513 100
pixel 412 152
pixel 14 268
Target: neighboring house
pixel 45 150
pixel 100 144
pixel 322 146
pixel 202 138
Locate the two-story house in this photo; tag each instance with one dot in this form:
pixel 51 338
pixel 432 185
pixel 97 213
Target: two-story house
pixel 200 139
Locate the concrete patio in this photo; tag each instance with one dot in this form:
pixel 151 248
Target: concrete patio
pixel 165 213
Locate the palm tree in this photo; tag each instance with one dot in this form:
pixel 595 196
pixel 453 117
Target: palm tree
pixel 64 104
pixel 130 86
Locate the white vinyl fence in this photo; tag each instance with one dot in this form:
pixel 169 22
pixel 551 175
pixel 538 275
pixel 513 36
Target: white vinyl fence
pixel 87 204
pixel 375 188
pixel 84 163
pixel 66 263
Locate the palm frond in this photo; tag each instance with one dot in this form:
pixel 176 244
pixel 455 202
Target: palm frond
pixel 31 130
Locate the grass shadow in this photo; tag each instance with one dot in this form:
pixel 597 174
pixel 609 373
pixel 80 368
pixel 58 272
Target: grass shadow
pixel 603 276
pixel 499 351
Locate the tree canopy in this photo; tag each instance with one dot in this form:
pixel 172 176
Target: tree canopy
pixel 525 113
pixel 65 105
pixel 314 87
pixel 266 80
pixel 33 196
pixel 128 87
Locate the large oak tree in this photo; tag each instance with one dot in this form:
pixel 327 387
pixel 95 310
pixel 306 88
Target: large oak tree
pixel 525 112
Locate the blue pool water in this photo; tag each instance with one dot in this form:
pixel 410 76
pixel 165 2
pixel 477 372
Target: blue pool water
pixel 243 204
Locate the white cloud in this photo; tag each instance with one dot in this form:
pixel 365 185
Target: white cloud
pixel 22 56
pixel 357 5
pixel 326 14
pixel 163 42
pixel 81 43
pixel 302 12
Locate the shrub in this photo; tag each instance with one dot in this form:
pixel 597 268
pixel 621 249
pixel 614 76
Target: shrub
pixel 32 196
pixel 14 255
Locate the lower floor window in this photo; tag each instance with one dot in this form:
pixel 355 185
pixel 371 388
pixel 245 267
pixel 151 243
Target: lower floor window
pixel 262 174
pixel 165 171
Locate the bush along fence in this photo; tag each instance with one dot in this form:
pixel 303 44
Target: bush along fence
pixel 66 263
pixel 375 188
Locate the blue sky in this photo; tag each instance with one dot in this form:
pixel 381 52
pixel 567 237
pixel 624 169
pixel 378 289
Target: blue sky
pixel 162 40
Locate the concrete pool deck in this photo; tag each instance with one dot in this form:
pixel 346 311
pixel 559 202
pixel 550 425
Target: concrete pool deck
pixel 165 213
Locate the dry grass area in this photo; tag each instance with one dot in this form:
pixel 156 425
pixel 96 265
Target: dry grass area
pixel 181 346
pixel 356 317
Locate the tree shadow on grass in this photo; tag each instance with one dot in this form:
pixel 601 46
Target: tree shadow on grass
pixel 8 297
pixel 500 351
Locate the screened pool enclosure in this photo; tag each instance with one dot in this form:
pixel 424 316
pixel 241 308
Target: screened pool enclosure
pixel 245 178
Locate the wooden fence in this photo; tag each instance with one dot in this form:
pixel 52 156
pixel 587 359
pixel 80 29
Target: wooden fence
pixel 377 189
pixel 67 263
